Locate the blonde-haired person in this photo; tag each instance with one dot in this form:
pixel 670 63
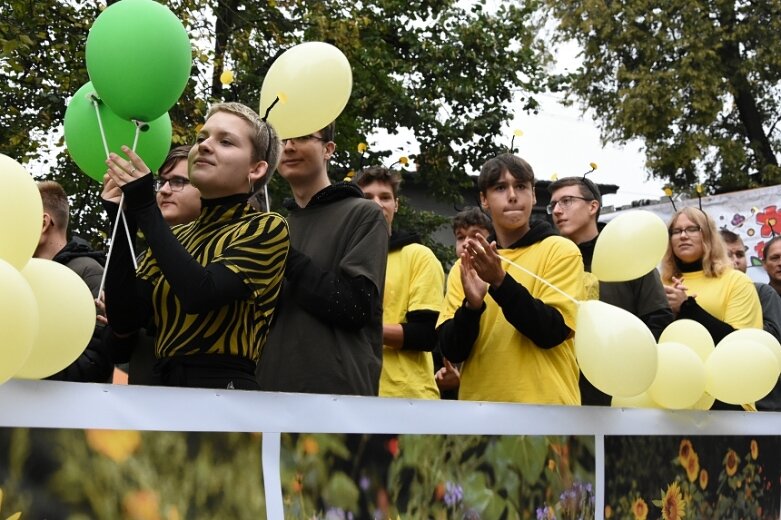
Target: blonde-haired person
pixel 699 280
pixel 210 285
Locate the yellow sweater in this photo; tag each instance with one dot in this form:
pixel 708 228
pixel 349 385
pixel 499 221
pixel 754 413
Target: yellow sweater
pixel 414 281
pixel 505 365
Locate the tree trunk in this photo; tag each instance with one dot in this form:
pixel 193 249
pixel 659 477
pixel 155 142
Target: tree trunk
pixel 745 100
pixel 223 26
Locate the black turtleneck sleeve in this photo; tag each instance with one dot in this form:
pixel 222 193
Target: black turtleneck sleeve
pixel 691 310
pixel 199 289
pixel 541 323
pixel 458 335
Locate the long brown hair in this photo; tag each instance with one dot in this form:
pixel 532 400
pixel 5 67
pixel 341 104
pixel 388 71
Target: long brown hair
pixel 714 257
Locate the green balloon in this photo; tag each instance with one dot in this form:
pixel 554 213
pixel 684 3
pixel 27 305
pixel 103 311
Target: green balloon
pixel 85 144
pixel 139 58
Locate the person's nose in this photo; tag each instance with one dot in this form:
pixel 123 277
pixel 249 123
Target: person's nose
pixel 165 188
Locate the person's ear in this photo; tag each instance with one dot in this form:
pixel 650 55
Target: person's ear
pixel 330 148
pixel 257 172
pixel 47 222
pixel 483 201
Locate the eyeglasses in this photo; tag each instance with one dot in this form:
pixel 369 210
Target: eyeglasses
pixel 174 183
pixel 689 230
pixel 303 139
pixel 565 202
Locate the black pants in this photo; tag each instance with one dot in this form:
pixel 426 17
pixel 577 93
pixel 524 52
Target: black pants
pixel 208 371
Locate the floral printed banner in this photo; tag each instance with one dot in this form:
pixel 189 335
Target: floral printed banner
pixel 343 476
pixel 755 215
pixel 129 474
pixel 361 455
pixel 692 477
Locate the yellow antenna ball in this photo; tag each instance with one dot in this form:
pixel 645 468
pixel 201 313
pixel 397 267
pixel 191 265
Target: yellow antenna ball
pixel 362 147
pixel 518 132
pixel 754 209
pixel 668 191
pixel 351 174
pixel 554 177
pixel 226 78
pixel 282 97
pixel 347 179
pixel 698 188
pixel 404 160
pixel 593 165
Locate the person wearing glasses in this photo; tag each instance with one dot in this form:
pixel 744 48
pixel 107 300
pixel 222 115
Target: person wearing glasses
pixel 575 205
pixel 211 286
pixel 327 337
pixel 179 201
pixel 513 332
pixel 771 308
pixel 701 284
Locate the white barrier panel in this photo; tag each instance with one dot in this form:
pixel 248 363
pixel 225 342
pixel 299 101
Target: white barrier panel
pixel 50 404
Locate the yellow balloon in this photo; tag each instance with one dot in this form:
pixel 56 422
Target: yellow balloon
pixel 18 321
pixel 66 314
pixel 760 336
pixel 630 246
pixel 680 377
pixel 691 334
pixel 21 213
pixel 313 82
pixel 705 402
pixel 638 401
pixel 615 350
pixel 740 372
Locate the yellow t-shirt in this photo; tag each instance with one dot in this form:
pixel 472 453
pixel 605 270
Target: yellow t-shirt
pixel 505 365
pixel 414 281
pixel 731 298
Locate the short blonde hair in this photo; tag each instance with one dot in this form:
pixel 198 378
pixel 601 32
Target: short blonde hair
pixel 265 141
pixel 714 257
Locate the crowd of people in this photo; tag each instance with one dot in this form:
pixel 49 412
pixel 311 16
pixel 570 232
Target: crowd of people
pixel 336 299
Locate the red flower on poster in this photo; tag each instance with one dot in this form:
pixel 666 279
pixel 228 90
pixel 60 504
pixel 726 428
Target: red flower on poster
pixel 770 220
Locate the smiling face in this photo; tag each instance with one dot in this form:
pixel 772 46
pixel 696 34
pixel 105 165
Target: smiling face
pixel 305 158
pixel 574 217
pixel 687 245
pixel 509 201
pixel 221 163
pixel 182 206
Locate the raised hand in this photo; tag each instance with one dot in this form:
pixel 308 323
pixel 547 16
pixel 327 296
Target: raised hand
pixel 485 260
pixel 122 171
pixel 475 288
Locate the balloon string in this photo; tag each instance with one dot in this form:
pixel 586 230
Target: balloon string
pixel 111 245
pixel 100 126
pixel 543 280
pixel 265 194
pixel 121 214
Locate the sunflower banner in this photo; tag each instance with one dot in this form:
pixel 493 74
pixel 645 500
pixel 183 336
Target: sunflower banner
pixel 70 450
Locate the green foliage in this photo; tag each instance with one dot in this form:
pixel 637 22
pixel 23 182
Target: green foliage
pixel 429 476
pixel 694 80
pixel 444 70
pixel 67 473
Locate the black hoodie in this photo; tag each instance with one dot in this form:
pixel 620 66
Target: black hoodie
pixel 95 364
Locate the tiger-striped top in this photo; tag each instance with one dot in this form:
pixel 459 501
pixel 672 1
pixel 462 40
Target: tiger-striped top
pixel 249 243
